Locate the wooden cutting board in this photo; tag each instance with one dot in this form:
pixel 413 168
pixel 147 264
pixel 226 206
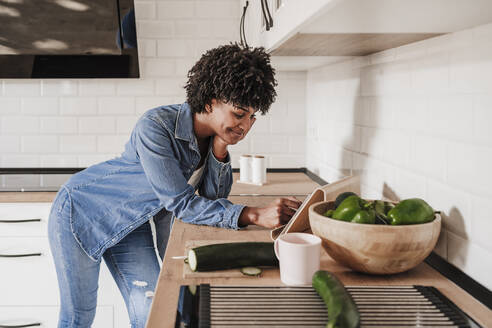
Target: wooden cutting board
pixel 232 273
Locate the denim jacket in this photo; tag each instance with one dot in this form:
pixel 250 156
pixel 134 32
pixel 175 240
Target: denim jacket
pixel 112 198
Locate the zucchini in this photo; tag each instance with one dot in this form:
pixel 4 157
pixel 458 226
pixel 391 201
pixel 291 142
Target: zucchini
pixel 251 271
pixel 342 311
pixel 231 255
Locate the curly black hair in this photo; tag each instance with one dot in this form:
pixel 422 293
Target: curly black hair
pixel 232 74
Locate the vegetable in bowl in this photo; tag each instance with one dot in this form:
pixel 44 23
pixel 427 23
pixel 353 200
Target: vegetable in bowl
pixel 357 210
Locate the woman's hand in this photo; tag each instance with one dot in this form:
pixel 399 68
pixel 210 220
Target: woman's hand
pixel 277 213
pixel 219 147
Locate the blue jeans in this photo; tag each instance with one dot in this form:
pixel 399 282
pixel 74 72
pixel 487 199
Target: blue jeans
pixel 132 262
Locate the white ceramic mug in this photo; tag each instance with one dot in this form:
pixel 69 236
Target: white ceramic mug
pixel 299 257
pixel 258 166
pixel 245 168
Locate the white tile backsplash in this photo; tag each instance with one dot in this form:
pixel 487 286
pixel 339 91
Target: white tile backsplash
pixel 80 106
pixel 111 144
pixel 145 10
pixel 9 106
pixel 96 87
pixel 423 116
pixel 160 67
pixel 39 106
pixel 22 88
pixel 9 144
pixel 39 144
pixel 59 88
pixel 78 144
pixel 155 29
pixel 19 125
pixel 97 125
pixel 58 125
pixel 175 48
pixel 135 87
pixel 482 118
pixel 175 9
pixel 116 105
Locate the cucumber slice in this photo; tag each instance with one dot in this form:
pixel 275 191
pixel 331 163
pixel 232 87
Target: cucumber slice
pixel 251 271
pixel 231 255
pixel 192 260
pixel 192 289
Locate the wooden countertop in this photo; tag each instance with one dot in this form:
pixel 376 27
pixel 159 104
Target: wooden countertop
pixel 163 311
pixel 27 197
pixel 279 184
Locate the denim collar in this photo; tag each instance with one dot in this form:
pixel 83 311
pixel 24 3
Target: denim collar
pixel 184 126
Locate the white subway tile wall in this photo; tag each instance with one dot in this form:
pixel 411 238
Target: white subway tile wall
pixel 76 123
pixel 414 121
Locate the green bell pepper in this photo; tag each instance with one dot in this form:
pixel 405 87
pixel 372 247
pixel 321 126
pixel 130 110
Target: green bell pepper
pixel 382 208
pixel 354 209
pixel 364 216
pixel 411 211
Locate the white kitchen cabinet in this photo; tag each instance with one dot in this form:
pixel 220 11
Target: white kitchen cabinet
pixel 35 215
pixel 317 28
pixel 252 22
pixel 47 316
pixel 287 16
pixel 29 282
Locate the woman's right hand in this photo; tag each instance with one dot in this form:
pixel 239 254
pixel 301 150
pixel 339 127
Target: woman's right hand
pixel 277 213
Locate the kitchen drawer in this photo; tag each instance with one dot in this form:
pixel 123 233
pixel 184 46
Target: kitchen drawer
pixel 47 316
pixel 12 212
pixel 29 279
pixel 32 279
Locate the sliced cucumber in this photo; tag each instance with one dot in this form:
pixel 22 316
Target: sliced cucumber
pixel 231 255
pixel 192 260
pixel 192 289
pixel 251 271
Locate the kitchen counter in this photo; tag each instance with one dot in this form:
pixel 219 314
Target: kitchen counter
pixel 27 197
pixel 163 311
pixel 279 184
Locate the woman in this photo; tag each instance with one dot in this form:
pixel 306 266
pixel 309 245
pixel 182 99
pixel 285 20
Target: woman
pixel 173 151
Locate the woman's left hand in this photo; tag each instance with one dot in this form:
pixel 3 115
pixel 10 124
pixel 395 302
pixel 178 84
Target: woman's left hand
pixel 219 147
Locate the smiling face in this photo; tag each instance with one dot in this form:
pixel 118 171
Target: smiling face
pixel 229 122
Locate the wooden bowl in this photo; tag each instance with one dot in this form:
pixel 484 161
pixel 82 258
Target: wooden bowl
pixel 373 248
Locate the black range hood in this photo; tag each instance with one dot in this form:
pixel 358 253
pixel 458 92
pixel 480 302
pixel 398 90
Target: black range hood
pixel 68 39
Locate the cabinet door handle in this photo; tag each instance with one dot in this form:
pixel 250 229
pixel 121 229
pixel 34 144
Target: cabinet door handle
pixel 242 34
pixel 270 19
pixel 266 14
pixel 267 22
pixel 35 324
pixel 19 221
pixel 20 255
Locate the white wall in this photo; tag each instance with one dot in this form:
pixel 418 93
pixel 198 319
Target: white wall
pixel 76 123
pixel 415 121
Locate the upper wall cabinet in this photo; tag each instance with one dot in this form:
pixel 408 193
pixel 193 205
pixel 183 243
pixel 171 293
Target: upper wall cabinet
pixel 355 27
pixel 267 22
